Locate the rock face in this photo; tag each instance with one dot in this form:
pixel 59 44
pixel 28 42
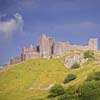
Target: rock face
pixel 48 47
pixel 70 60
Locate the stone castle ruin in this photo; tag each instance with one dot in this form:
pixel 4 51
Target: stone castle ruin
pixel 50 48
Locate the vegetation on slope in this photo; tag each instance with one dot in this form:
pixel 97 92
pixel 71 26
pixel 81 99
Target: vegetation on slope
pixel 86 91
pixel 17 82
pixel 89 90
pixel 69 78
pixel 26 80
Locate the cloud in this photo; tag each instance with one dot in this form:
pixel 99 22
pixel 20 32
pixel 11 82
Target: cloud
pixel 9 27
pixel 19 21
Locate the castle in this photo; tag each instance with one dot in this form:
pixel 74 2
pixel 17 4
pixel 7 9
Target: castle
pixel 49 48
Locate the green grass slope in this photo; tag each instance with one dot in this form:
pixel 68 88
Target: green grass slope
pixel 18 82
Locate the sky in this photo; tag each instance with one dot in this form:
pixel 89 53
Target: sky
pixel 22 22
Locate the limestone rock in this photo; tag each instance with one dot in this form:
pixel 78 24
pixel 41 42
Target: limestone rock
pixel 70 60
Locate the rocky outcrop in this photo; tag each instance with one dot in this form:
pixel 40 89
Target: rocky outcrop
pixel 70 60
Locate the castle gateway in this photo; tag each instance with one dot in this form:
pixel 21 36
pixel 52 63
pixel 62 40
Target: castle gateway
pixel 48 47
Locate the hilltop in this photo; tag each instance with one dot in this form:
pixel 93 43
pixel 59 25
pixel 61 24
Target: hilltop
pixel 50 48
pixel 31 79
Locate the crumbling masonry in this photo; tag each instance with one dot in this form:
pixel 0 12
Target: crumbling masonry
pixel 49 48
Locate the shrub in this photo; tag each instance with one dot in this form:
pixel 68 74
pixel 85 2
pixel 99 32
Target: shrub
pixel 94 76
pixel 87 91
pixel 70 94
pixel 90 91
pixel 69 78
pixel 56 90
pixel 75 65
pixel 88 54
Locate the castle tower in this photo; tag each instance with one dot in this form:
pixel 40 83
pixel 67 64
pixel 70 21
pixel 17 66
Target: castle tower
pixel 23 54
pixel 45 45
pixel 93 43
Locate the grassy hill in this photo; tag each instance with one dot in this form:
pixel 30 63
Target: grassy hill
pixel 19 82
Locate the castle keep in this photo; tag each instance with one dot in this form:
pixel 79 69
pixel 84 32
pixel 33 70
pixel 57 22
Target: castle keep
pixel 48 48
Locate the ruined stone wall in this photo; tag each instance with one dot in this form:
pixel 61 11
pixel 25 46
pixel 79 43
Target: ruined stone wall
pixel 60 48
pixel 46 46
pixel 49 47
pixel 15 60
pixel 31 55
pixel 28 53
pixel 78 47
pixel 92 45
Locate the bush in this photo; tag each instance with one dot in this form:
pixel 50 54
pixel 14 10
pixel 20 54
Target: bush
pixel 88 54
pixel 56 90
pixel 87 91
pixel 69 78
pixel 90 91
pixel 70 94
pixel 94 76
pixel 75 65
